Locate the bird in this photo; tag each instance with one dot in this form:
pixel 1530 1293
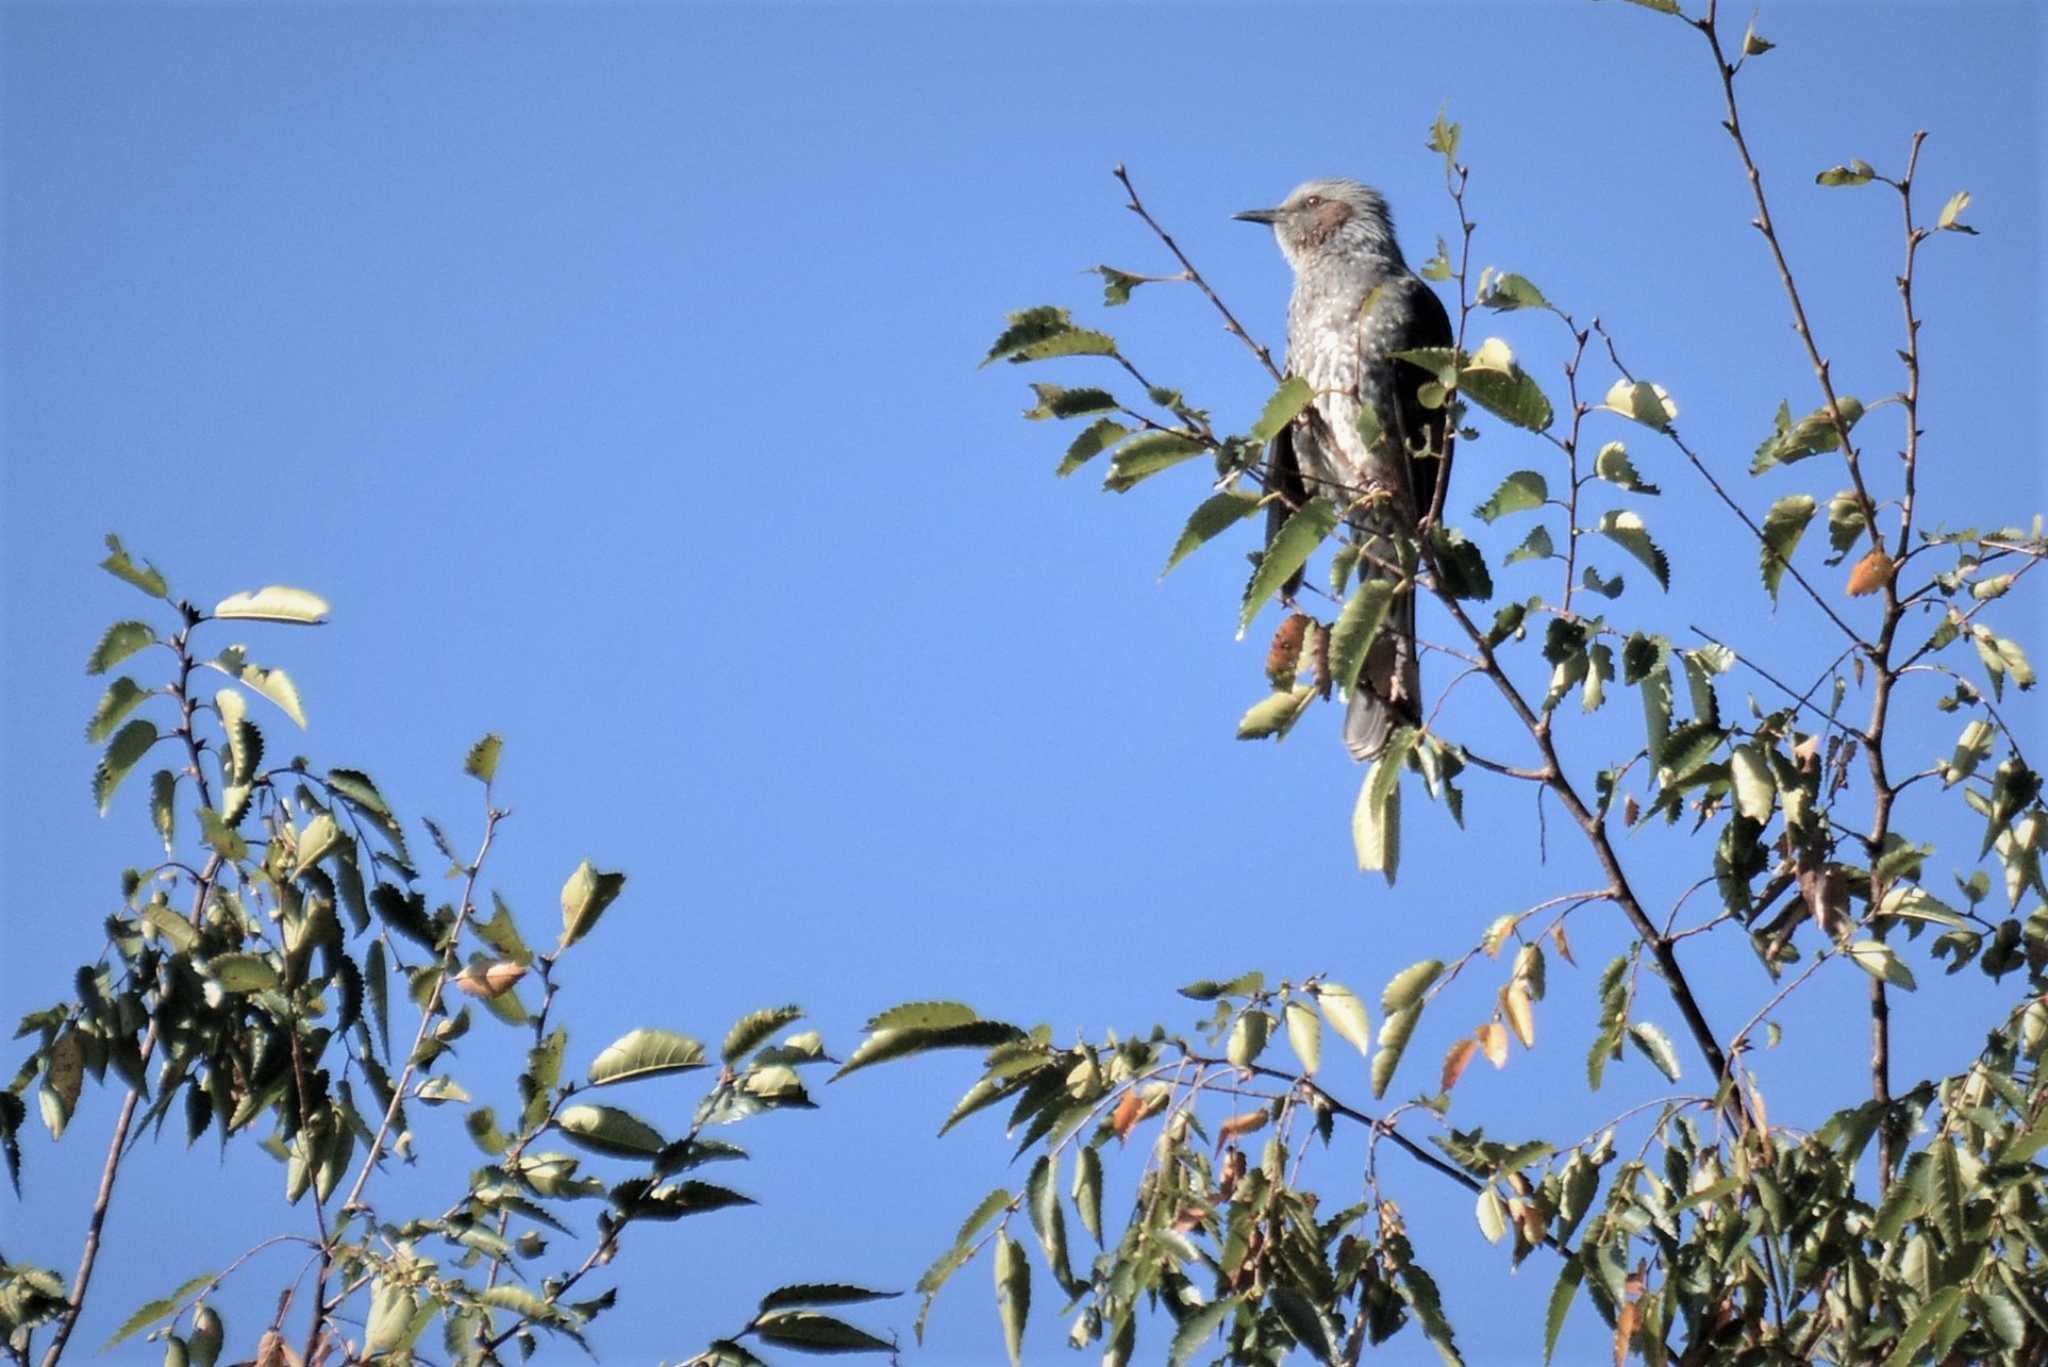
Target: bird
pixel 1355 304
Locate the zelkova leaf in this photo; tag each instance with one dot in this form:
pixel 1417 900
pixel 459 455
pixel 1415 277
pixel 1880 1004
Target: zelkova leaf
pixel 1296 541
pixel 1196 1328
pixel 1409 985
pixel 123 696
pixel 1951 214
pixel 1216 515
pixel 1613 465
pixel 1626 530
pixel 1510 291
pixel 1855 172
pixel 1013 1294
pixel 1346 1015
pixel 1877 958
pixel 1293 395
pixel 1037 334
pixel 1087 1190
pixel 584 899
pixel 1304 1035
pixel 1494 380
pixel 1275 714
pixel 610 1131
pixel 822 1293
pixel 1656 1047
pixel 885 1045
pixel 1646 403
pixel 1057 401
pixel 1376 820
pixel 129 745
pixel 645 1053
pixel 482 761
pixel 1365 612
pixel 1784 524
pixel 754 1029
pixel 1810 436
pixel 807 1331
pixel 1394 1035
pixel 274 603
pixel 121 640
pixel 1143 457
pixel 1519 492
pixel 273 684
pixel 147 578
pixel 1097 437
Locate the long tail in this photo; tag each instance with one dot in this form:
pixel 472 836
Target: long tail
pixel 1389 691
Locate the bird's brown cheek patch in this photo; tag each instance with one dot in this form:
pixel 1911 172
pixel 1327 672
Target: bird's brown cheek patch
pixel 1324 222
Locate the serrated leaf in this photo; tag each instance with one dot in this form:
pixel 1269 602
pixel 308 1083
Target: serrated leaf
pixel 807 1331
pixel 146 576
pixel 1613 465
pixel 885 1045
pixel 1952 211
pixel 584 899
pixel 1755 790
pixel 272 684
pixel 1626 530
pixel 1393 1042
pixel 1297 539
pixel 1561 1295
pixel 1409 984
pixel 1351 638
pixel 243 972
pixel 1784 524
pixel 1376 820
pixel 1537 545
pixel 274 603
pixel 123 696
pixel 1196 1328
pixel 1497 383
pixel 128 747
pixel 1347 1015
pixel 1275 714
pixel 482 760
pixel 1856 172
pixel 610 1131
pixel 1013 1294
pixel 1812 435
pixel 1656 1047
pixel 1878 960
pixel 645 1053
pixel 1142 457
pixel 1519 492
pixel 1304 1035
pixel 1289 400
pixel 1492 1216
pixel 1510 291
pixel 1097 437
pixel 1216 515
pixel 753 1030
pixel 1087 1192
pixel 1037 334
pixel 121 640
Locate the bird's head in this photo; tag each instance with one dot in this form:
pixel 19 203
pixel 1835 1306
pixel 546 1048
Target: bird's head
pixel 1330 217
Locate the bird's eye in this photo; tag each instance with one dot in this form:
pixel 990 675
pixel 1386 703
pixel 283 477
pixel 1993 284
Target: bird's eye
pixel 1312 201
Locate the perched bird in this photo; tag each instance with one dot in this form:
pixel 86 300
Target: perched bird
pixel 1370 446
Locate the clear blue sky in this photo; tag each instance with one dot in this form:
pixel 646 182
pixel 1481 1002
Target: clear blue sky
pixel 612 370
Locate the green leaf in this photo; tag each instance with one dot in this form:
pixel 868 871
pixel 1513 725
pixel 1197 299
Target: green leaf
pixel 1217 514
pixel 1877 959
pixel 1642 402
pixel 1304 1035
pixel 163 810
pixel 1626 530
pixel 1856 172
pixel 1087 1191
pixel 1568 1278
pixel 1409 985
pixel 1812 435
pixel 1209 989
pixel 1346 1015
pixel 1394 1034
pixel 482 760
pixel 1510 291
pixel 1039 333
pixel 1117 285
pixel 1048 1220
pixel 122 639
pixel 1365 612
pixel 129 745
pixel 1537 545
pixel 122 697
pixel 1287 402
pixel 1614 466
pixel 1755 790
pixel 1519 492
pixel 753 1029
pixel 1248 1038
pixel 923 1016
pixel 1376 818
pixel 1013 1294
pixel 1143 457
pixel 150 581
pixel 1952 211
pixel 645 1053
pixel 1494 380
pixel 1096 438
pixel 274 603
pixel 1846 524
pixel 152 1311
pixel 1492 1216
pixel 1461 565
pixel 1784 524
pixel 806 1331
pixel 243 972
pixel 273 684
pixel 822 1293
pixel 902 1042
pixel 1290 549
pixel 1925 1325
pixel 1195 1329
pixel 1275 714
pixel 610 1131
pixel 1057 401
pixel 585 897
pixel 1656 1047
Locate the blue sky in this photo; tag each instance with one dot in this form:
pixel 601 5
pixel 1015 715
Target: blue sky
pixel 612 371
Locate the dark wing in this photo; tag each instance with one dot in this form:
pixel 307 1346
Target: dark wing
pixel 1425 325
pixel 1283 476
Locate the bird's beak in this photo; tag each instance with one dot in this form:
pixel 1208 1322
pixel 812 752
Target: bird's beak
pixel 1257 216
